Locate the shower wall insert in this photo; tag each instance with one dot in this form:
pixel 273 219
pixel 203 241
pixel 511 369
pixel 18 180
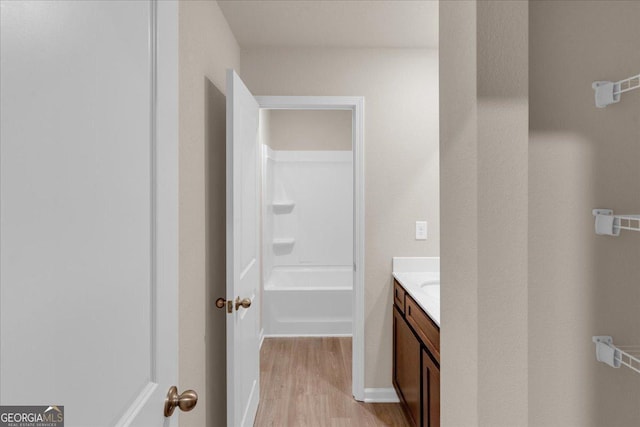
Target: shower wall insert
pixel 307 242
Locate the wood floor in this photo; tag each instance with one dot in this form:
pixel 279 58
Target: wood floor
pixel 307 382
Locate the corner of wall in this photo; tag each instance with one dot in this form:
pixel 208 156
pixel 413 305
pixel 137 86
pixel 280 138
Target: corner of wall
pixel 484 160
pixel 459 234
pixel 207 47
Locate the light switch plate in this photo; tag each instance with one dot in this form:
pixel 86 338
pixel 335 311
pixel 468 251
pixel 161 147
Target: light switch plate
pixel 421 230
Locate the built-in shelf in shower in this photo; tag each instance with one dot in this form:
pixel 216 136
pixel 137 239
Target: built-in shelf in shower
pixel 284 241
pixel 283 207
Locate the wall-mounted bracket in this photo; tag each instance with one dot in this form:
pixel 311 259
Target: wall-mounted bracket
pixel 608 224
pixel 605 93
pixel 608 93
pixel 615 355
pixel 605 222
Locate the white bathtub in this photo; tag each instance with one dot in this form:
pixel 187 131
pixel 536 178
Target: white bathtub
pixel 308 301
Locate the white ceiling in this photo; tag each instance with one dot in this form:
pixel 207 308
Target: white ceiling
pixel 333 23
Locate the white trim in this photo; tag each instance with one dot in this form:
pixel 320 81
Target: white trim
pixel 333 156
pixel 146 393
pixel 153 190
pixel 304 335
pixel 166 207
pixel 252 408
pixel 276 288
pixel 167 187
pixel 359 250
pixel 356 105
pixel 136 407
pixel 232 417
pixel 381 395
pixel 310 102
pixel 261 336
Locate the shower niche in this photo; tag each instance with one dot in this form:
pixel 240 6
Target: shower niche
pixel 307 226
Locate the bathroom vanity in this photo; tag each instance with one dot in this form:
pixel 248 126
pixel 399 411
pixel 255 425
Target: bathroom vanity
pixel 416 338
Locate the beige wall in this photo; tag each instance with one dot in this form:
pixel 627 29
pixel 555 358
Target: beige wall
pixel 400 87
pixel 525 282
pixel 484 151
pixel 207 48
pixel 582 157
pixel 503 127
pixel 304 130
pixel 458 193
pixel 532 359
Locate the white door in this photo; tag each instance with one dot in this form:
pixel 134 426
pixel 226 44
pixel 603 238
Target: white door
pixel 88 209
pixel 243 253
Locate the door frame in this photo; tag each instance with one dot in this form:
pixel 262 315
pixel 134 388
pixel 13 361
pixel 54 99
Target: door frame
pixel 356 105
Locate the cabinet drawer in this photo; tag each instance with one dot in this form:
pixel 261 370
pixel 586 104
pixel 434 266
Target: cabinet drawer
pixel 424 326
pixel 398 296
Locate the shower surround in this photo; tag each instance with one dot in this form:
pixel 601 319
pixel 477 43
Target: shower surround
pixel 307 242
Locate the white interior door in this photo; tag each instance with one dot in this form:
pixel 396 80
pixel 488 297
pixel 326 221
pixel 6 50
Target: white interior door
pixel 243 253
pixel 88 209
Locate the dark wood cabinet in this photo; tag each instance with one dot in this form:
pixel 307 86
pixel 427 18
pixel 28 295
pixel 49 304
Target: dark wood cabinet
pixel 416 360
pixel 430 391
pixel 406 377
pixel 398 296
pixel 427 331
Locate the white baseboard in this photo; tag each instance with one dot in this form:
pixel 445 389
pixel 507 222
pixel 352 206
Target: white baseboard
pixel 303 335
pixel 261 337
pixel 381 395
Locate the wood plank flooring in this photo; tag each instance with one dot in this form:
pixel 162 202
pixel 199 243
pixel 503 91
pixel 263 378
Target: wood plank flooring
pixel 306 382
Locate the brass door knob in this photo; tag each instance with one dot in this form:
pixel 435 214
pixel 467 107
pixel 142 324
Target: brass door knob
pixel 245 303
pixel 185 401
pixel 221 303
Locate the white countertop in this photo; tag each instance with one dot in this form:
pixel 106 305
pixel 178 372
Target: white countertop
pixel 420 277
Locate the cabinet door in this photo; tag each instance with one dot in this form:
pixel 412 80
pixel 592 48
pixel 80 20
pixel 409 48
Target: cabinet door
pixel 430 391
pixel 406 366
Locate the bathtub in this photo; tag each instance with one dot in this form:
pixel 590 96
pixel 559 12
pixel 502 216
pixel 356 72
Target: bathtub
pixel 308 301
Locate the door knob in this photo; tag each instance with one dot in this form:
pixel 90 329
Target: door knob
pixel 245 303
pixel 186 401
pixel 221 303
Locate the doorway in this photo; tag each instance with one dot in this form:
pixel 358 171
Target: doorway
pixel 284 244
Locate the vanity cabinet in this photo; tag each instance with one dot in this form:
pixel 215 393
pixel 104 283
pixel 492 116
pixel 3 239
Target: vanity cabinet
pixel 430 390
pixel 416 360
pixel 406 366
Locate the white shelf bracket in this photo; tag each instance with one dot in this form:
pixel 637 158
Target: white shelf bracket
pixel 608 93
pixel 608 224
pixel 606 351
pixel 605 222
pixel 616 356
